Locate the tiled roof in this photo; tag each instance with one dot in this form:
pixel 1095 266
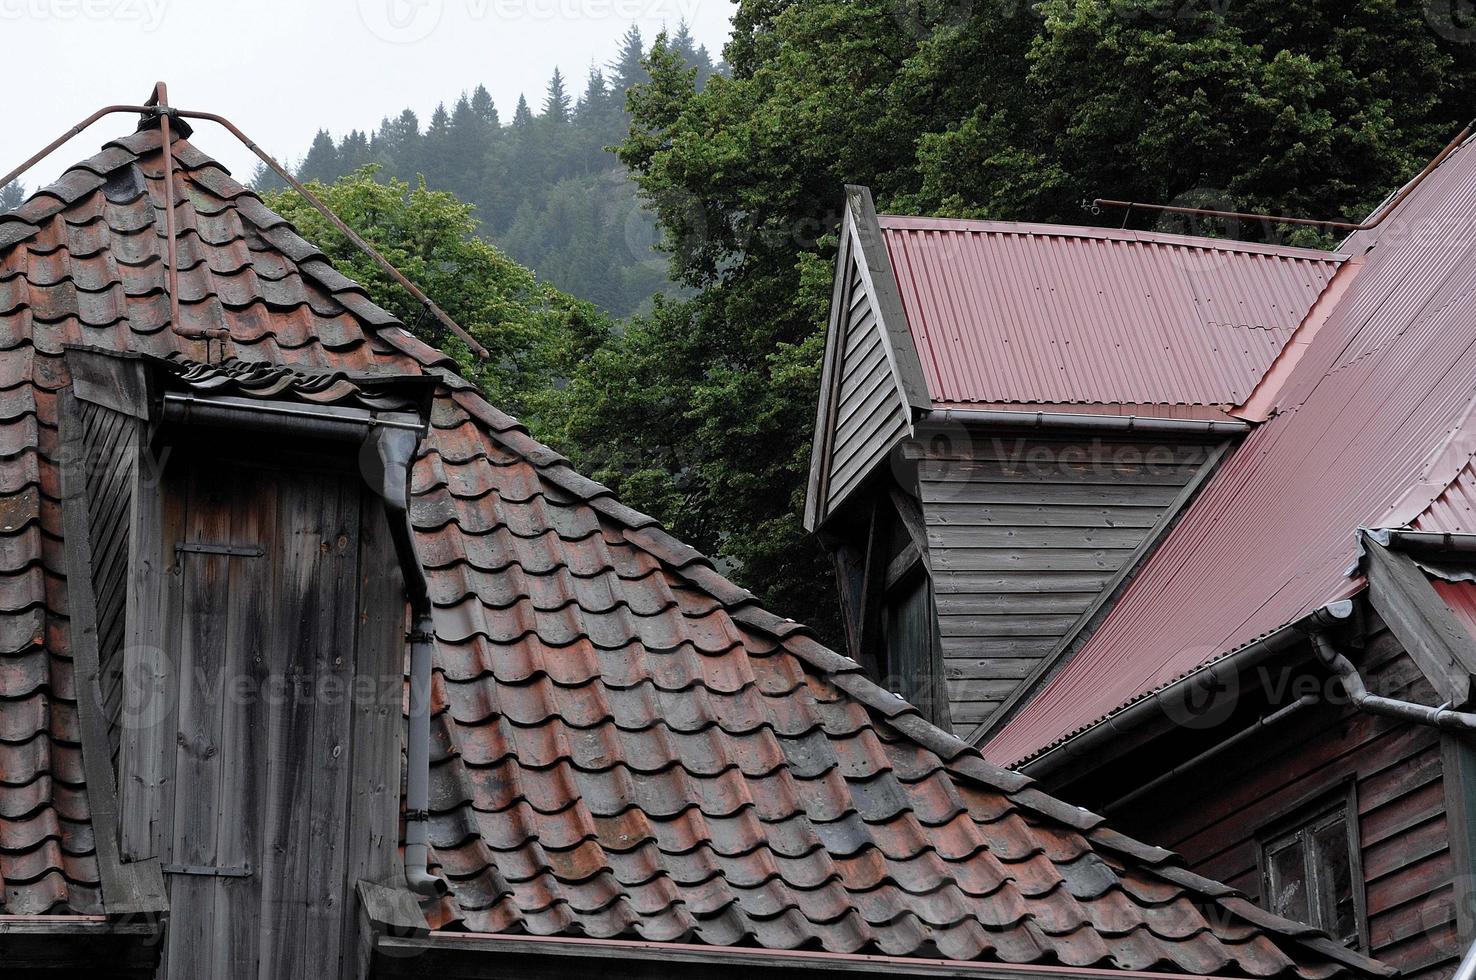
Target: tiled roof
pixel 252 379
pixel 1376 427
pixel 1055 314
pixel 627 744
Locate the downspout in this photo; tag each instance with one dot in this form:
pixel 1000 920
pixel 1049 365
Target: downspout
pixel 1421 714
pixel 396 450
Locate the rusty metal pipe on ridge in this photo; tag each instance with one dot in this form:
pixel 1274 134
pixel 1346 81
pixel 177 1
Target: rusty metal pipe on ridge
pixel 158 104
pixel 1282 219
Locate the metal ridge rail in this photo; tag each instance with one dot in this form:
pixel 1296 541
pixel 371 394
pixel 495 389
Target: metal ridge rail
pixel 1084 420
pixel 1282 219
pixel 157 105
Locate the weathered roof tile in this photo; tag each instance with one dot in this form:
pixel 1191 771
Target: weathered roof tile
pixel 625 743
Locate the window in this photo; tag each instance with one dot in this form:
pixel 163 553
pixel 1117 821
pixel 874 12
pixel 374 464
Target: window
pixel 1311 872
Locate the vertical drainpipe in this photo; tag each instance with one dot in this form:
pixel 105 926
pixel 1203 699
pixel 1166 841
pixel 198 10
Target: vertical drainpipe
pixel 396 451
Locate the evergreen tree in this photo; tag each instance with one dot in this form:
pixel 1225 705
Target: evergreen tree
pixel 353 151
pixel 12 196
pixel 482 105
pixel 556 103
pixel 628 69
pixel 322 161
pixel 522 115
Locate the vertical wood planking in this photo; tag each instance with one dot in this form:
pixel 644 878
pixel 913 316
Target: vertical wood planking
pixel 245 690
pixel 375 743
pixel 146 749
pixel 290 726
pixel 332 656
pixel 202 656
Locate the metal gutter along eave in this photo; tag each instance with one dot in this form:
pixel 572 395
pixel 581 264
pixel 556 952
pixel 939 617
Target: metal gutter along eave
pixel 1171 697
pixel 501 951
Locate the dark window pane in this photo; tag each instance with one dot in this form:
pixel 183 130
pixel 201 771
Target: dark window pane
pixel 1287 878
pixel 1334 870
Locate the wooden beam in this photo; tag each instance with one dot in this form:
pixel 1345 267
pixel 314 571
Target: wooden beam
pixel 898 567
pixel 873 592
pixel 1458 764
pixel 1416 614
pixel 911 516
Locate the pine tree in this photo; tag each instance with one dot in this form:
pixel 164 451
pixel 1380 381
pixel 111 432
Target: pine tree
pixel 322 161
pixel 12 195
pixel 628 70
pixel 556 102
pixel 353 151
pixel 522 115
pixel 482 105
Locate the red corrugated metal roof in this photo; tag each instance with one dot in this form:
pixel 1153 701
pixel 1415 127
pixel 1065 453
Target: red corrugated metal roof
pixel 1007 312
pixel 1375 427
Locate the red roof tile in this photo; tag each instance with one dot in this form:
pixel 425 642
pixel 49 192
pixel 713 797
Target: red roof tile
pixel 1375 429
pixel 1022 313
pixel 626 744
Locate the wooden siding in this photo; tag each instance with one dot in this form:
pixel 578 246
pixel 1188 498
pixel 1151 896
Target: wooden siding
pixel 1214 815
pixel 275 756
pixel 1024 534
pixel 869 416
pixel 110 447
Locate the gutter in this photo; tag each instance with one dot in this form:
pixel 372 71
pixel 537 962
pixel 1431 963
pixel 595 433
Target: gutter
pixel 1084 420
pixel 503 954
pixel 1205 679
pixel 1214 751
pixel 1442 542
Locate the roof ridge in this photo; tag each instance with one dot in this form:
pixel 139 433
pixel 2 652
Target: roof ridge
pixel 994 226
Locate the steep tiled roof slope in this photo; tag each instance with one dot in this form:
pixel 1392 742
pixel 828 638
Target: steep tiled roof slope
pixel 628 745
pixel 1056 314
pixel 1375 428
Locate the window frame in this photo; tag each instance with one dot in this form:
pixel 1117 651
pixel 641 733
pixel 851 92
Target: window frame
pixel 1298 821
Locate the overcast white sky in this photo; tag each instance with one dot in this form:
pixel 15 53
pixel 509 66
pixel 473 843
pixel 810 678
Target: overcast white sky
pixel 280 69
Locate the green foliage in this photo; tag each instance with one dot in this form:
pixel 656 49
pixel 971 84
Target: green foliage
pixel 535 332
pixel 538 183
pixel 703 411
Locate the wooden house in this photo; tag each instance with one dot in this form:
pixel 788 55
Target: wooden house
pixel 313 663
pixel 1249 640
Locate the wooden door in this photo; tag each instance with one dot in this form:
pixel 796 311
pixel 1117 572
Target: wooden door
pixel 262 619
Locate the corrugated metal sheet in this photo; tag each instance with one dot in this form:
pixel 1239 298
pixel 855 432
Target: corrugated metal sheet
pixel 1006 312
pixel 1373 428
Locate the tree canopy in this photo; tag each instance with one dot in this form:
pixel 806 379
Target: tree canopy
pixel 546 187
pixel 534 332
pixel 702 412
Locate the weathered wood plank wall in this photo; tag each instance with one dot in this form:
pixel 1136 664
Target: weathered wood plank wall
pixel 110 455
pixel 869 418
pixel 1215 815
pixel 1024 532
